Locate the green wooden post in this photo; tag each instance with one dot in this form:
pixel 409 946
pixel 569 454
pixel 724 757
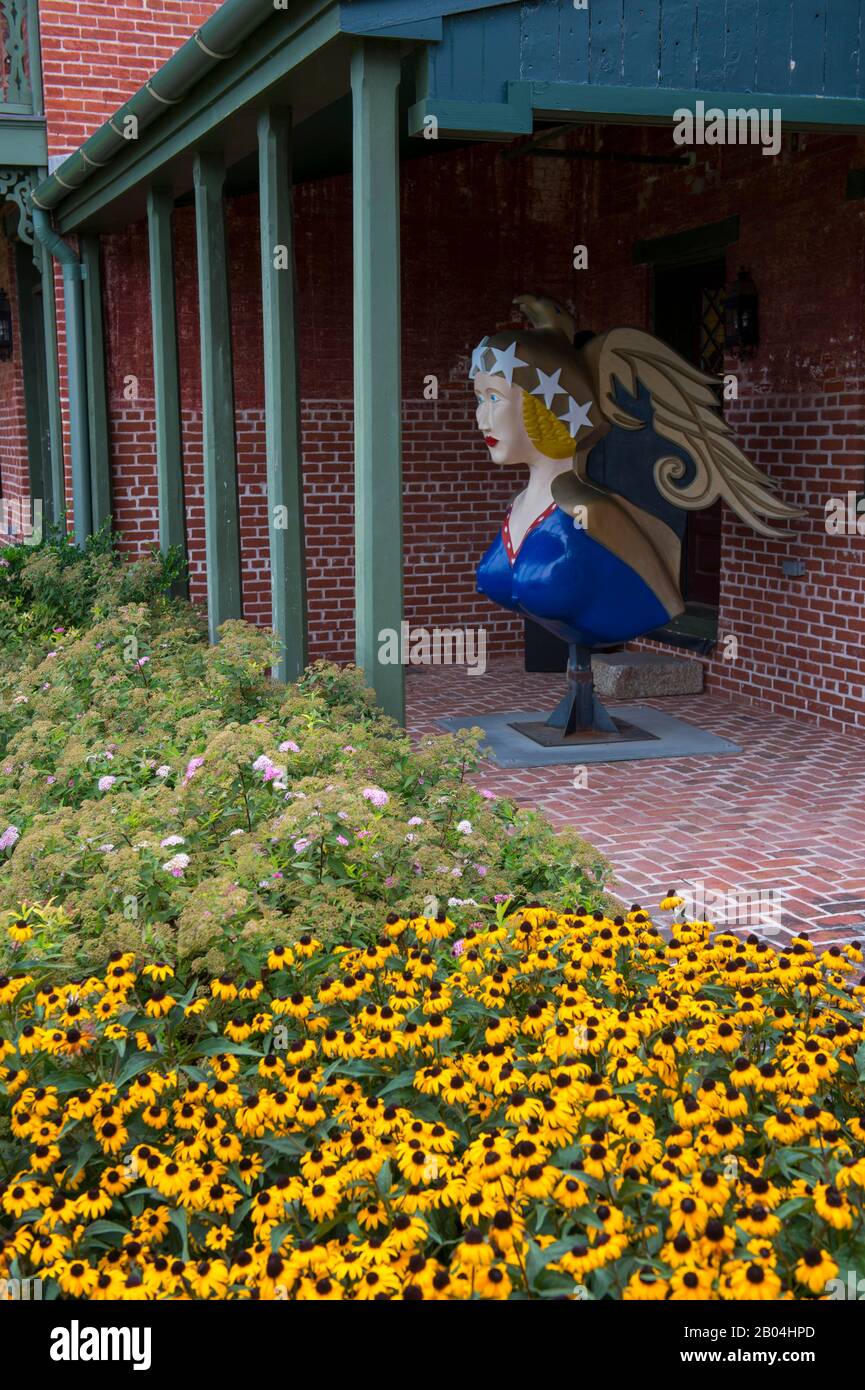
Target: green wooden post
pixel 282 395
pixel 97 404
pixel 375 75
pixel 55 417
pixel 221 518
pixel 166 374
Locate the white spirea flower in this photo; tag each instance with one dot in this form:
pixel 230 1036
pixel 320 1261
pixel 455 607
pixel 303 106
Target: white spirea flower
pixel 180 861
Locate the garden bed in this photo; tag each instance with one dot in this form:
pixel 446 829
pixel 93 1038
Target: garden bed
pixel 289 1009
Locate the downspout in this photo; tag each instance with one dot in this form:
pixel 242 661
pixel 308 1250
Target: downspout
pixel 76 355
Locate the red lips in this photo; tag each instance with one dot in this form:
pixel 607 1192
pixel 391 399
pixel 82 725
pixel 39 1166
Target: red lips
pixel 490 440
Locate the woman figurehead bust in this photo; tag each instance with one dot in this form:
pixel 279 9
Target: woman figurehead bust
pixel 594 564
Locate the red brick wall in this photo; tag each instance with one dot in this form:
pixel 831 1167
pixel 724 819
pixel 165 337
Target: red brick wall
pixel 96 53
pixel 14 472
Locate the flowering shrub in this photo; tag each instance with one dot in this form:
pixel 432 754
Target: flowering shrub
pixel 55 585
pixel 174 800
pixel 549 1105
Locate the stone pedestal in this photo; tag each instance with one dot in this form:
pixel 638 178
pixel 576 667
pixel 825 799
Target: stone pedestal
pixel 639 675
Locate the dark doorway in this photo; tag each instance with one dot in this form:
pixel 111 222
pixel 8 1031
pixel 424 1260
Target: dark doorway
pixel 689 315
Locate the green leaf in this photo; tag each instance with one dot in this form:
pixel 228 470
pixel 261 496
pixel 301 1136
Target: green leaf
pixel 285 1146
pixel 537 1259
pixel 105 1228
pixel 795 1204
pixel 402 1081
pixel 178 1219
pixel 278 1236
pixel 214 1047
pixel 384 1178
pixel 137 1062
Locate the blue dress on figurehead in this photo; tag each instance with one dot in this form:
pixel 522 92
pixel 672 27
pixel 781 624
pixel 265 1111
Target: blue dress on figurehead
pixel 564 579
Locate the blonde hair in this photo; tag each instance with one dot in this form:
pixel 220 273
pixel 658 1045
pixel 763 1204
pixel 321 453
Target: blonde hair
pixel 546 432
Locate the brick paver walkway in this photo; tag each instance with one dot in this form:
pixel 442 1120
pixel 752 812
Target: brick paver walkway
pixel 784 819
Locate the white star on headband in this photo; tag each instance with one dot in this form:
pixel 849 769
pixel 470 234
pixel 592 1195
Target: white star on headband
pixel 478 358
pixel 507 362
pixel 576 416
pixel 548 386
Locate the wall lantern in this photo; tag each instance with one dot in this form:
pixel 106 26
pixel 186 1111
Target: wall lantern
pixel 741 316
pixel 5 327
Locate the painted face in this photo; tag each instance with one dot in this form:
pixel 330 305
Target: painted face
pixel 500 420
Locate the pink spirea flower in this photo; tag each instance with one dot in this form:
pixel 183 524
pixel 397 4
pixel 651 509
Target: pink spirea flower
pixel 341 840
pixel 464 827
pixel 10 837
pixel 458 947
pixel 176 865
pixel 289 746
pixel 378 797
pixel 191 768
pixel 106 783
pixel 300 845
pixel 172 840
pixel 487 795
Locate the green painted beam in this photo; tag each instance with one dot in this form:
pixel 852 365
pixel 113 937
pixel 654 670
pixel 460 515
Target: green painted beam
pixel 585 101
pixel 23 142
pixel 282 395
pixel 478 120
pixel 166 374
pixel 97 403
pixel 221 514
pixel 375 77
pixel 55 414
pixel 646 104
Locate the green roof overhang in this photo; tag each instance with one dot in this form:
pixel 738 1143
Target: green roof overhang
pixel 475 68
pixel 238 60
pixel 249 54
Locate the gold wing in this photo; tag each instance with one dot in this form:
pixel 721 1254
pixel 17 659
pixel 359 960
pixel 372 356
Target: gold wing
pixel 685 412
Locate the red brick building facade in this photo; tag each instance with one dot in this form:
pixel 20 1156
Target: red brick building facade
pixel 480 223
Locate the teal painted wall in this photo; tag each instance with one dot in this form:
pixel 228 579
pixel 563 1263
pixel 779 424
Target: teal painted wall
pixel 791 47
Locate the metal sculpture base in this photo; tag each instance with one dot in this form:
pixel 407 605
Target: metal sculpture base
pixel 580 717
pixel 547 736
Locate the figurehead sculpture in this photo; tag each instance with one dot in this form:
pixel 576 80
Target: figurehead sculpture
pixel 591 549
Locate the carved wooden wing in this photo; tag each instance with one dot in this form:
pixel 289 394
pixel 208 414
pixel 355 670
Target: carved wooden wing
pixel 685 412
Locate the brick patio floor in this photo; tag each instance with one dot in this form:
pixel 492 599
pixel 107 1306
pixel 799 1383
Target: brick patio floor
pixel 786 816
